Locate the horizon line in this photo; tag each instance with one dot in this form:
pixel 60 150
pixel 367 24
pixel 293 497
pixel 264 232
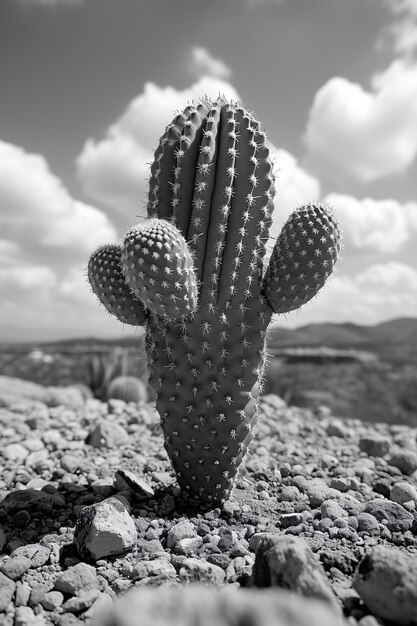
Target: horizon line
pixel 275 325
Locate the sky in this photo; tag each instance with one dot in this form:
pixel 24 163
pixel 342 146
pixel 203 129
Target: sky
pixel 88 86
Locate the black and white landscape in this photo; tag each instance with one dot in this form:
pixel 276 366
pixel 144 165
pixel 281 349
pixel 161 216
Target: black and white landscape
pixel 321 526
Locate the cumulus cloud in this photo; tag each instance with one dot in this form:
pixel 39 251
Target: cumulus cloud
pixel 46 239
pixel 381 291
pixel 401 34
pixel 364 134
pixel 379 225
pixel 201 62
pixel 114 170
pixel 38 214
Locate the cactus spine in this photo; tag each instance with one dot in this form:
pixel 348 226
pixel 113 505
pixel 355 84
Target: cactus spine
pixel 194 270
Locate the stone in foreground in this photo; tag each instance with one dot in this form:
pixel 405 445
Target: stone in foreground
pixel 193 605
pixel 288 562
pixel 104 529
pixel 386 580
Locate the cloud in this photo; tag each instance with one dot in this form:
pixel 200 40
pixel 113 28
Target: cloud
pixel 201 63
pixel 114 170
pixel 46 240
pixel 401 34
pixel 380 292
pixel 380 225
pixel 39 215
pixel 365 135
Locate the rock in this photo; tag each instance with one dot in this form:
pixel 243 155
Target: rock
pixel 290 519
pixel 77 578
pixel 7 589
pixel 25 616
pixel 183 530
pixel 38 592
pixel 286 561
pixel 103 486
pixel 386 580
pixel 403 492
pixel 368 523
pixel 188 545
pixel 332 510
pixel 100 609
pixel 190 605
pixel 126 480
pixel 52 600
pixel 405 460
pixel 336 428
pixel 81 602
pixel 15 566
pixel 156 567
pixel 22 593
pixel 104 529
pixel 199 571
pixel 15 452
pixel 108 434
pixel 71 397
pixel 394 516
pixel 374 445
pixel 71 463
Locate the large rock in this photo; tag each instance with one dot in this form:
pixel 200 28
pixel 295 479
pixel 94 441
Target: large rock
pixel 393 515
pixel 386 580
pixel 288 562
pixel 104 529
pixel 77 579
pixel 193 604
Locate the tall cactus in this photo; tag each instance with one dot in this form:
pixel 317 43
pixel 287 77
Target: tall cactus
pixel 193 274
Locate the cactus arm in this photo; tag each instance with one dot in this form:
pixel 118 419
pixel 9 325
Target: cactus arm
pixel 303 258
pixel 109 285
pixel 158 267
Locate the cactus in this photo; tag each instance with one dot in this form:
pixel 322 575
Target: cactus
pixel 194 271
pixel 127 388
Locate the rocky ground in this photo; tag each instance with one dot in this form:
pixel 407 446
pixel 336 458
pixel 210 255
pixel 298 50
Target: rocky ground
pixel 324 514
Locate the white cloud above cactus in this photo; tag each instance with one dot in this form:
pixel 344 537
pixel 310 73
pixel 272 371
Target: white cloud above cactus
pixel 47 237
pixel 365 134
pixel 38 213
pixel 401 34
pixel 380 225
pixel 202 63
pixel 114 170
pixel 381 291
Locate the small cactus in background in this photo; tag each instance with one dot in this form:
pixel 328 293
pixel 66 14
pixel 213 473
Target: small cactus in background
pixel 193 274
pixel 127 388
pixel 103 367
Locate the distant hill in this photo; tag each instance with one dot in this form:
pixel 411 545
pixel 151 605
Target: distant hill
pixel 395 340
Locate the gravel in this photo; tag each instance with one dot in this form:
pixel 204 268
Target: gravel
pixel 89 509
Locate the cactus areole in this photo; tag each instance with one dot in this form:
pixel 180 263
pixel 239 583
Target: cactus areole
pixel 193 275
